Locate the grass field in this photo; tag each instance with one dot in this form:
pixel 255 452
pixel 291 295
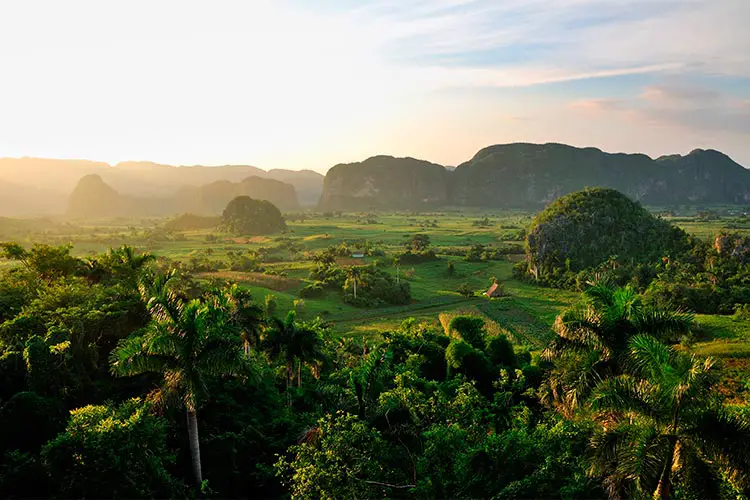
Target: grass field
pixel 526 313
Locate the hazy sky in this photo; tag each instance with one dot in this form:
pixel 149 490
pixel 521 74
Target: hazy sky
pixel 307 84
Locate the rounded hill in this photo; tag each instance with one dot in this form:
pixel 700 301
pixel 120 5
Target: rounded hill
pixel 584 229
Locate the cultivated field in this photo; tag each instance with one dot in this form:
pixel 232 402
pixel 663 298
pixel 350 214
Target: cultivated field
pixel 284 261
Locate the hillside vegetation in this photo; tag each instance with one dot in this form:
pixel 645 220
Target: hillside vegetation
pixel 584 229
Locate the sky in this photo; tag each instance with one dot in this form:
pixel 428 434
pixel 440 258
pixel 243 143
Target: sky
pixel 308 84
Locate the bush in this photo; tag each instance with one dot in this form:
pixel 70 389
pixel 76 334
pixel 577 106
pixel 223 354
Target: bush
pixel 312 290
pixel 465 290
pixel 410 257
pixel 110 452
pixel 470 329
pixel 500 351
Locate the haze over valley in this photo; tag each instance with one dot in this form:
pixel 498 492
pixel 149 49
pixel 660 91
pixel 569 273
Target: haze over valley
pixel 403 249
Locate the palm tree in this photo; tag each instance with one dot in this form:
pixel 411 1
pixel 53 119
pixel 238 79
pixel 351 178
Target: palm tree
pixel 247 316
pixel 591 340
pixel 296 343
pixel 186 342
pixel 130 258
pixel 661 423
pixel 354 273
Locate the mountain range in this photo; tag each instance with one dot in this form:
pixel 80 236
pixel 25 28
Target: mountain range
pixel 530 176
pixel 37 186
pixel 519 175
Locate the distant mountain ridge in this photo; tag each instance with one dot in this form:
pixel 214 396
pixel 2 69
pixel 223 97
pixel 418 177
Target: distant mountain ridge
pixel 524 175
pixel 94 198
pixel 385 182
pixel 26 178
pixel 518 175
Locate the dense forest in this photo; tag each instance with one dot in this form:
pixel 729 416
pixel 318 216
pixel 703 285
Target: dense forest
pixel 127 376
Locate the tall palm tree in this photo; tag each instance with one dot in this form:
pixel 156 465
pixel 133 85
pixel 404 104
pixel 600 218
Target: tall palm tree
pixel 247 316
pixel 186 342
pixel 661 424
pixel 591 340
pixel 296 343
pixel 354 273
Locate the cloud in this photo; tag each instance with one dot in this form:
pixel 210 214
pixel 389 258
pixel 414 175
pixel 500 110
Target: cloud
pixel 596 38
pixel 597 105
pixel 678 93
pixel 708 119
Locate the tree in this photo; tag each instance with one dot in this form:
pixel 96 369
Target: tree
pixel 465 290
pixel 186 342
pixel 47 262
pixel 245 215
pixel 109 451
pixel 246 316
pixel 469 329
pixel 338 458
pixel 354 273
pixel 661 424
pixel 293 342
pixel 591 340
pixel 418 243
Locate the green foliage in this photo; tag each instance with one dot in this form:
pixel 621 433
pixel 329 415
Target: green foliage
pixel 591 341
pixel 469 329
pixel 335 460
pixel 584 229
pixel 664 429
pixel 41 366
pixel 109 452
pixel 418 243
pixel 29 420
pixel 270 305
pixel 313 290
pixel 500 351
pixel 375 287
pixel 465 289
pixel 245 215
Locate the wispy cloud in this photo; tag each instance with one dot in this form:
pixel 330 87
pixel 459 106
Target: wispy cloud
pixel 597 105
pixel 678 93
pixel 571 39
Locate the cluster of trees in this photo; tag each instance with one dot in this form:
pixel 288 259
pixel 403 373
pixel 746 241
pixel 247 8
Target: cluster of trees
pixel 417 250
pixel 122 379
pixel 362 286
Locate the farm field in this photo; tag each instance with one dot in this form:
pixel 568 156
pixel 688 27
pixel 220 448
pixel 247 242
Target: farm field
pixel 525 313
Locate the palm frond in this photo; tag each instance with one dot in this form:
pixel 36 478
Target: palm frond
pixel 724 438
pixel 131 357
pixel 625 394
pixel 648 356
pixel 628 455
pixel 664 324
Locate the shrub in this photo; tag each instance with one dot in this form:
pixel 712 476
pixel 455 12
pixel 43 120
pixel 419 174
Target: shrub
pixel 500 351
pixel 469 329
pixel 465 290
pixel 312 290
